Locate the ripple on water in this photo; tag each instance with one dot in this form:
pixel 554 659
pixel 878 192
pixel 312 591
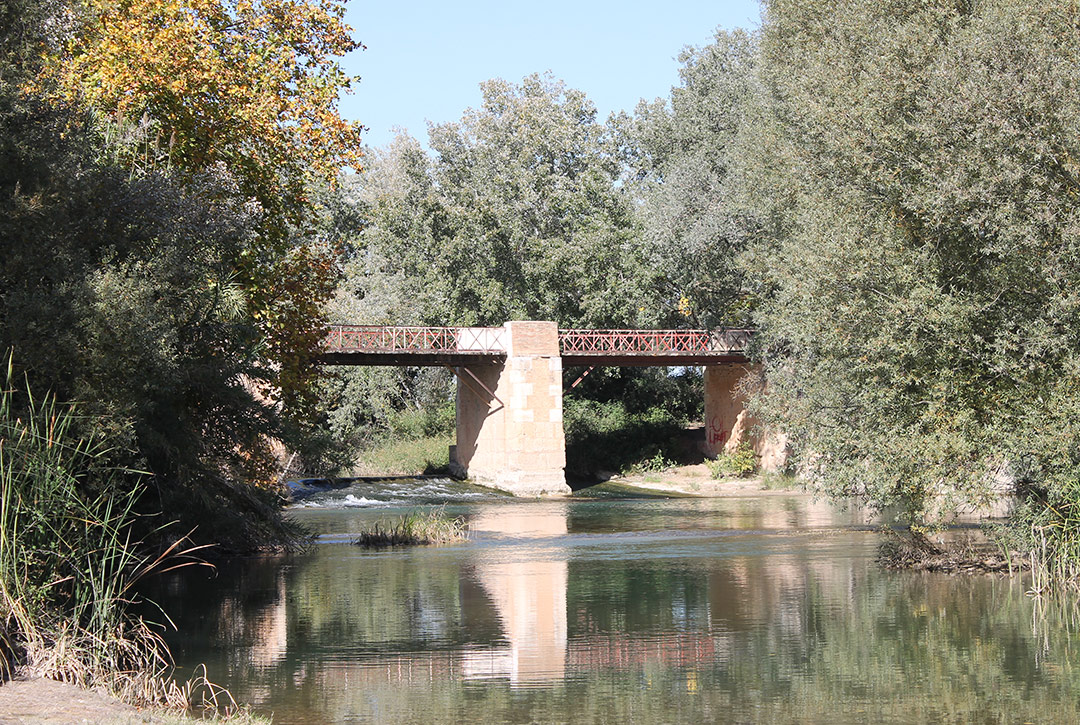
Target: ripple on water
pixel 368 493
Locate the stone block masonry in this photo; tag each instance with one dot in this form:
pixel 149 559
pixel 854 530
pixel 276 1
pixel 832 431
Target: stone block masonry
pixel 509 416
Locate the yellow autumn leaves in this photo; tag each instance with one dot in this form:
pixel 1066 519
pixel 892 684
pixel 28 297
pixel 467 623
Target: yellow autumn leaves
pixel 254 85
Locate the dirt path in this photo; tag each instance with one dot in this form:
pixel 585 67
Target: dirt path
pixel 46 701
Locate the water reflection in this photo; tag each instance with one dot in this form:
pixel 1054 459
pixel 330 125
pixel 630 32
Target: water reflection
pixel 527 587
pixel 669 611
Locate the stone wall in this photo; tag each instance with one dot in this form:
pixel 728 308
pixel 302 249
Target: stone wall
pixel 727 422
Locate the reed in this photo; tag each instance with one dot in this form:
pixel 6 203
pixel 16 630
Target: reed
pixel 1043 535
pixel 415 527
pixel 68 561
pixel 1055 549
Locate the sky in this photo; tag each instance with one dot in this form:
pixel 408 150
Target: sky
pixel 425 60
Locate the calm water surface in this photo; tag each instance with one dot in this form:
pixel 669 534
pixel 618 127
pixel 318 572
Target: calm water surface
pixel 616 611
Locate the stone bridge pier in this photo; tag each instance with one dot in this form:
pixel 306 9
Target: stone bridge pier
pixel 509 415
pixel 728 424
pixel 510 422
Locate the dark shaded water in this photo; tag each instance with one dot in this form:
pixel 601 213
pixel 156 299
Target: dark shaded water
pixel 618 611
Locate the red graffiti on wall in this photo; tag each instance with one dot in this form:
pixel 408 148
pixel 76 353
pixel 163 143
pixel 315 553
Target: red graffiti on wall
pixel 716 434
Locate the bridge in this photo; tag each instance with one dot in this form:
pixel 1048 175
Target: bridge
pixel 510 386
pixel 386 345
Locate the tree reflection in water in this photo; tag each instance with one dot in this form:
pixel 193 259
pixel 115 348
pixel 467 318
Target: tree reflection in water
pixel 659 611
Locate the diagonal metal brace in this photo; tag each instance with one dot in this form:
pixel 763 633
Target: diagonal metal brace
pixel 486 389
pixel 582 376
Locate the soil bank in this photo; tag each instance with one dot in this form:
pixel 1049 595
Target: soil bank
pixel 47 702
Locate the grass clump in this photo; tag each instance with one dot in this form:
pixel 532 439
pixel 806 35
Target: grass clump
pixel 776 481
pixel 415 527
pixel 657 464
pixel 739 463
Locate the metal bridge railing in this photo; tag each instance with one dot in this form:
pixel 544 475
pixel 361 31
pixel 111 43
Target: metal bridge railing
pixel 391 339
pixel 644 342
pixel 491 340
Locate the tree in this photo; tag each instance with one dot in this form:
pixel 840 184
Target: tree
pixel 914 178
pixel 516 217
pixel 119 293
pixel 679 158
pixel 388 222
pixel 251 87
pixel 517 214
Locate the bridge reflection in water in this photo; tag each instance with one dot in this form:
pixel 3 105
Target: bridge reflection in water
pixel 527 587
pixel 688 610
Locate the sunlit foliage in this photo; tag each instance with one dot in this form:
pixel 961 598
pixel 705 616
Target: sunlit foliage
pixel 678 157
pixel 914 172
pixel 250 87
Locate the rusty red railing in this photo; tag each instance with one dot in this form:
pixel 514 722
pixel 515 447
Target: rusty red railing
pixel 392 339
pixel 645 342
pixel 491 340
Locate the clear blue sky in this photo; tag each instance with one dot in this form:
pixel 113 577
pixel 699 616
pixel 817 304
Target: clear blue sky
pixel 425 60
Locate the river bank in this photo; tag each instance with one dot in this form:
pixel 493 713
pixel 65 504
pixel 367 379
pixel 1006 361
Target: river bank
pixel 962 549
pixel 697 480
pixel 40 701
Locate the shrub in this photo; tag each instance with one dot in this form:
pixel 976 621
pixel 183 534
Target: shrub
pixel 606 435
pixel 656 464
pixel 738 463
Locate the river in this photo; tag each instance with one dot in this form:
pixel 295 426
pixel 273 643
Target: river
pixel 685 610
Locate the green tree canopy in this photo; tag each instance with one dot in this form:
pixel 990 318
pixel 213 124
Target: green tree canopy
pixel 915 178
pixel 679 157
pixel 517 216
pixel 120 292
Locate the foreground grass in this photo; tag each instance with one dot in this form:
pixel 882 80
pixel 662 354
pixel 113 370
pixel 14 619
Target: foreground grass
pixel 416 527
pixel 406 458
pixel 69 560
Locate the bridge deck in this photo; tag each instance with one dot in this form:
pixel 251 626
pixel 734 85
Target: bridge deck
pixel 426 346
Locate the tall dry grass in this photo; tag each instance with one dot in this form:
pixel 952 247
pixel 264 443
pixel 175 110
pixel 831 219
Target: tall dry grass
pixel 68 561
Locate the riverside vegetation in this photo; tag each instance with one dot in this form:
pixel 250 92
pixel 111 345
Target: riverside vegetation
pixel 159 272
pixel 415 527
pixel 886 191
pixel 70 559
